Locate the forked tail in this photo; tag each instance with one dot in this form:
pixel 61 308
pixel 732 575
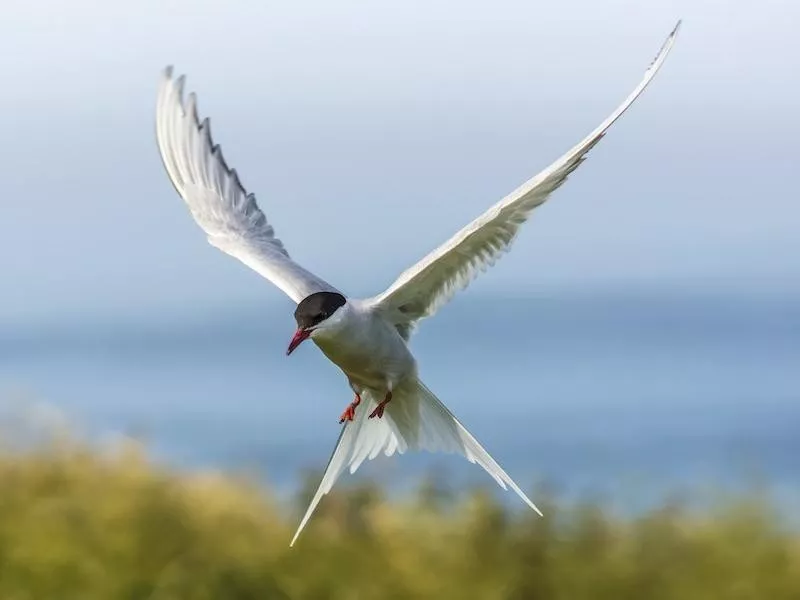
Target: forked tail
pixel 415 419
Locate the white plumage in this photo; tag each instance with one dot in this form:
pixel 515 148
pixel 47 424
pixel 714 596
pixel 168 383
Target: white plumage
pixel 365 338
pixel 216 198
pixel 433 281
pixel 415 419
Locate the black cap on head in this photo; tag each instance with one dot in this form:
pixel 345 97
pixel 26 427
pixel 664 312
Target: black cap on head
pixel 316 308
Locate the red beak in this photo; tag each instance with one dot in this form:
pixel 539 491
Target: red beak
pixel 299 337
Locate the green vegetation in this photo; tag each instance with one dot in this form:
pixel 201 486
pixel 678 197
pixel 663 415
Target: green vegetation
pixel 77 523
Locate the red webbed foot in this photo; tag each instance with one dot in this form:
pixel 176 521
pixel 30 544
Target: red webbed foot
pixel 350 412
pixel 378 412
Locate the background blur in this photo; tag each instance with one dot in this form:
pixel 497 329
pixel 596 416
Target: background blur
pixel 642 338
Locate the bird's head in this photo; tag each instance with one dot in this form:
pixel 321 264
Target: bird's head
pixel 316 314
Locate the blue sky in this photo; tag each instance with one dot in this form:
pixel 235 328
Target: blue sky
pixel 380 130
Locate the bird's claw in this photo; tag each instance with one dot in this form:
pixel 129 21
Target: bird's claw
pixel 350 412
pixel 378 412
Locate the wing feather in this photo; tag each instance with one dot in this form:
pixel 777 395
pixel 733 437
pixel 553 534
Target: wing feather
pixel 216 198
pixel 422 289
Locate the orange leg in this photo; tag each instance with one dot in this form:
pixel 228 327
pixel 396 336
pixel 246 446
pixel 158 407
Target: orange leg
pixel 378 412
pixel 350 412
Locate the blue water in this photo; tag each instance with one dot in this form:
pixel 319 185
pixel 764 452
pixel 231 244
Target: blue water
pixel 629 396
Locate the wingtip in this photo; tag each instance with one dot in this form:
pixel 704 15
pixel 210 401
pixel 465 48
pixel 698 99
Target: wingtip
pixel 665 48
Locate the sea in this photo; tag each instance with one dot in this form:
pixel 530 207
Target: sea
pixel 624 397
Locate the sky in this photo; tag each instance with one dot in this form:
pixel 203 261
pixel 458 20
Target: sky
pixel 370 132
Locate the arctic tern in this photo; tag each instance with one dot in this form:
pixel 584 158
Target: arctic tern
pixel 392 411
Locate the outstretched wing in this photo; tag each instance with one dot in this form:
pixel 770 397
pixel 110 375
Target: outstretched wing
pixel 216 198
pixel 433 281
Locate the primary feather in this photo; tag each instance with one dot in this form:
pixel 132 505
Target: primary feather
pixel 426 286
pixel 220 205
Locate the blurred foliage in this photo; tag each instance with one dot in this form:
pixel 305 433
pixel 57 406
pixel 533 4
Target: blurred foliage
pixel 80 523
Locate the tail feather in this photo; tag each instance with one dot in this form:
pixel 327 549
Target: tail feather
pixel 452 436
pixel 415 419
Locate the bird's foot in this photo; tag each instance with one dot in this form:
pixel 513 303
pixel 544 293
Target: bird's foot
pixel 378 412
pixel 350 412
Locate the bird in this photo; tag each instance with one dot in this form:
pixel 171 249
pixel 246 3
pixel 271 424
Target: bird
pixel 392 410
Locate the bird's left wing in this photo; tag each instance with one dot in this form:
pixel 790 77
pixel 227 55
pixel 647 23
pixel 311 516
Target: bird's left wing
pixel 433 281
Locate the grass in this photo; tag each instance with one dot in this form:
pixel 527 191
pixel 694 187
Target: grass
pixel 79 523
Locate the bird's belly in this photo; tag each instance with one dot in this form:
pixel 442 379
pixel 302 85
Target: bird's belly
pixel 377 368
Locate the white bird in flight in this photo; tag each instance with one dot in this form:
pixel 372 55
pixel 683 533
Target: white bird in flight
pixel 393 411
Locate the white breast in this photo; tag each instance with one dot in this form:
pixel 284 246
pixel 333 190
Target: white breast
pixel 368 349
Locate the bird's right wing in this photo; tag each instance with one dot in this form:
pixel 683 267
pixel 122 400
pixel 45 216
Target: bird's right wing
pixel 415 419
pixel 216 198
pixel 423 288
